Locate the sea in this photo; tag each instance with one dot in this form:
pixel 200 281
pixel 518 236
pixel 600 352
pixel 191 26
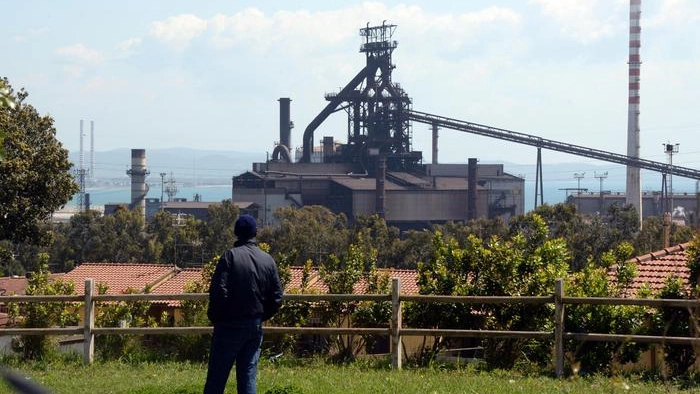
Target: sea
pixel 556 188
pixel 101 195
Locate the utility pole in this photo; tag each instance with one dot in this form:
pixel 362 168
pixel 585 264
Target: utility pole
pixel 578 176
pixel 670 149
pixel 601 177
pixel 162 188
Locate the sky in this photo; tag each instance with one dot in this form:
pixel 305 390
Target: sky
pixel 207 75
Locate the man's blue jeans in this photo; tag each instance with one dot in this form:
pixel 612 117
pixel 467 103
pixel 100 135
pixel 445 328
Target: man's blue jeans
pixel 237 343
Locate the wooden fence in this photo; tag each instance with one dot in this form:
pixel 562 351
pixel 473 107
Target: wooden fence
pixel 395 331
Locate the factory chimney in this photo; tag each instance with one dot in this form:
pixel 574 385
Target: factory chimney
pixel 633 193
pixel 471 188
pixel 138 173
pixel 285 122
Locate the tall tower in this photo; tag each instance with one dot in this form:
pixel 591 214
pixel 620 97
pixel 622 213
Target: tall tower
pixel 634 183
pixel 138 173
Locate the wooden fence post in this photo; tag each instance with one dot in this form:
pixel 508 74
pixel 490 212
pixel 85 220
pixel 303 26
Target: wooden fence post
pixel 396 324
pixel 559 328
pixel 89 324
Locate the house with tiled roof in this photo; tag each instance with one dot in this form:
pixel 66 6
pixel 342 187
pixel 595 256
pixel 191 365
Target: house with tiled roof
pixel 120 278
pixel 408 281
pixel 654 269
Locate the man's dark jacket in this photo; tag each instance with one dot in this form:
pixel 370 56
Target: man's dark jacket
pixel 245 284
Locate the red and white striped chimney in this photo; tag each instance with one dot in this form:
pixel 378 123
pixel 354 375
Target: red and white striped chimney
pixel 634 189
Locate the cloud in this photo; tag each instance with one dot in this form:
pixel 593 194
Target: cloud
pixel 80 54
pixel 129 47
pixel 673 13
pixel 78 58
pixel 177 32
pixel 301 30
pixel 31 33
pixel 587 21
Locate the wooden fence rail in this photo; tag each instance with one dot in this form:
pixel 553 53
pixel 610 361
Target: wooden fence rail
pixel 395 331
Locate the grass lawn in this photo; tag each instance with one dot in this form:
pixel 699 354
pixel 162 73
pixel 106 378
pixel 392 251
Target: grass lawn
pixel 315 378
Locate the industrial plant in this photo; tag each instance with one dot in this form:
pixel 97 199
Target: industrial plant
pixel 376 170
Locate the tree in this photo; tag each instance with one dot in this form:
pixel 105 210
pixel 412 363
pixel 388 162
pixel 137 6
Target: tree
pixel 594 281
pixel 312 232
pixel 357 267
pixel 43 314
pixel 6 101
pixel 35 177
pixel 218 228
pixel 91 237
pixel 374 233
pixel 526 262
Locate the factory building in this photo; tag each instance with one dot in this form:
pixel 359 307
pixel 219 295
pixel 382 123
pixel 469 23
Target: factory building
pixel 410 200
pixel 375 170
pixel 684 211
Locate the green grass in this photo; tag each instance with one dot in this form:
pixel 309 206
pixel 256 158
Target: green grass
pixel 316 378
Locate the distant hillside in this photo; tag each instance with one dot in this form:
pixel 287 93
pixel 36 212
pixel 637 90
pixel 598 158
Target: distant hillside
pixel 190 166
pixel 185 164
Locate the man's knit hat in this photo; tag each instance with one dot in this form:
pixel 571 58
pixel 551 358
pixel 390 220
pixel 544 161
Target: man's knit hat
pixel 245 227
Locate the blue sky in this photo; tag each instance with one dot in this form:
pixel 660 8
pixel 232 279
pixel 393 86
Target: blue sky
pixel 207 75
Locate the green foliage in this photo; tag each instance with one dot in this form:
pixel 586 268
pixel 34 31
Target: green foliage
pixel 675 322
pixel 35 177
pixel 693 256
pixel 217 230
pixel 6 100
pixel 311 232
pixel 377 235
pixel 43 314
pixel 91 237
pixel 597 357
pixel 292 313
pixel 525 263
pixel 121 314
pixel 650 237
pixel 357 268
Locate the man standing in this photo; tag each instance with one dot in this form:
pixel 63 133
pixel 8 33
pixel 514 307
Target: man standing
pixel 245 290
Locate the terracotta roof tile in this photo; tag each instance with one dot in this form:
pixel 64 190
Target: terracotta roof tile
pixel 177 283
pixel 13 285
pixel 17 285
pixel 409 281
pixel 655 268
pixel 121 277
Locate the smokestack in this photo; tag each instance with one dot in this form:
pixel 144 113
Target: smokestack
pixel 380 181
pixel 633 193
pixel 285 122
pixel 138 173
pixel 328 146
pixel 435 143
pixel 471 189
